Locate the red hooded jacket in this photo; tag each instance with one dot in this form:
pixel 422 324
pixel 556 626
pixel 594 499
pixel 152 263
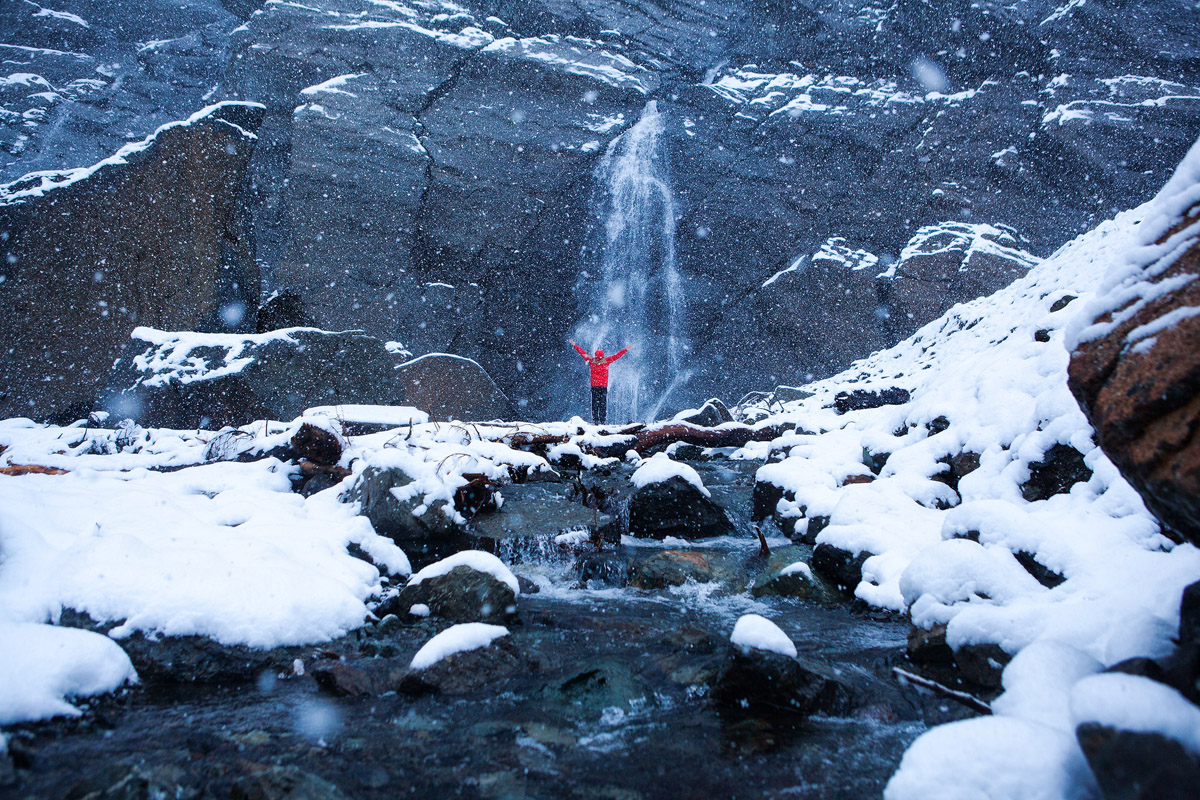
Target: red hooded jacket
pixel 599 364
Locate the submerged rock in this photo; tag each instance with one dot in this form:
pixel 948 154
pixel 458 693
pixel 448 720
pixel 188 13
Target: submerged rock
pixel 672 568
pixel 284 783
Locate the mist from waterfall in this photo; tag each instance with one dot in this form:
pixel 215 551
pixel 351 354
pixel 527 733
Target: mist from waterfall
pixel 636 297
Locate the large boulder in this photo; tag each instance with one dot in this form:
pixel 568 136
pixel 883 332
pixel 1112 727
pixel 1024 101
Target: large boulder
pixel 153 235
pixel 188 380
pixel 675 507
pixel 452 387
pixel 1135 371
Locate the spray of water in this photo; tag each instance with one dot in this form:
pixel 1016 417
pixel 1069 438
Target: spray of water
pixel 637 302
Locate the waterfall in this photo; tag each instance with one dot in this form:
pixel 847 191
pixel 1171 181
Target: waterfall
pixel 636 297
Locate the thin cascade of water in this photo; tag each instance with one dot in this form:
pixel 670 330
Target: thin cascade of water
pixel 638 301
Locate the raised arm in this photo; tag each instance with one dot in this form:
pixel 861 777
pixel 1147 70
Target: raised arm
pixel 611 359
pixel 581 351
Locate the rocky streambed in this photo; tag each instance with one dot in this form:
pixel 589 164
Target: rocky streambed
pixel 617 680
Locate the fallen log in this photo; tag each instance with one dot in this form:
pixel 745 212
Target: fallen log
pixel 31 469
pixel 731 434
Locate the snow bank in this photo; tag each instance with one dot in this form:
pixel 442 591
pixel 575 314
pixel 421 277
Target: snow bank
pixel 752 632
pixel 991 758
pixel 476 560
pixel 224 550
pixel 456 639
pixel 987 385
pixel 43 666
pixel 661 468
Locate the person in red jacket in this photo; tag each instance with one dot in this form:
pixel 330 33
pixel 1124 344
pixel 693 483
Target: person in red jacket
pixel 599 367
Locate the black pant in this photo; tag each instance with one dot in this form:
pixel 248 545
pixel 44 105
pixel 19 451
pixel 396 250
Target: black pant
pixel 599 404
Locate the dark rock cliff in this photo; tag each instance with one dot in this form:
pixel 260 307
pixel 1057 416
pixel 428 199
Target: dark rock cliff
pixel 151 236
pixel 427 172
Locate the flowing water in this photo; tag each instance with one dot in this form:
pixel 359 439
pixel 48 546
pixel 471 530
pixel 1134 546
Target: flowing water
pixel 636 293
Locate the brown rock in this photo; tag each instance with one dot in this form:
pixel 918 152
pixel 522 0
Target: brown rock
pixel 154 238
pixel 1145 402
pixel 453 387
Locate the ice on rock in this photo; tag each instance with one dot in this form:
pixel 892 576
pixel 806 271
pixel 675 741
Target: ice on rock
pixel 754 632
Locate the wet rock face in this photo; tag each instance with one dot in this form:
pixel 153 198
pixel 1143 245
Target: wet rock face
pixel 189 380
pixel 1143 396
pixel 676 508
pixel 949 263
pixel 156 238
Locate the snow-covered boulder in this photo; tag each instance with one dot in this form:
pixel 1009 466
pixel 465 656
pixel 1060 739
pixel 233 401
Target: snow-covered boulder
pixel 395 504
pixel 761 673
pixel 187 380
pixel 1141 738
pixel 464 658
pixel 670 499
pixel 471 586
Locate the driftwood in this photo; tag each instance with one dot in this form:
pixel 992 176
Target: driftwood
pixel 969 700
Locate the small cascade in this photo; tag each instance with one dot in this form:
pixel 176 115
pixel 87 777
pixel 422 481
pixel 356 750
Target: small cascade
pixel 635 292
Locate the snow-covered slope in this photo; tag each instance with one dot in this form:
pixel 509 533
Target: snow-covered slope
pixel 990 378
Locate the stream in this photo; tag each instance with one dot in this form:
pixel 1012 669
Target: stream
pixel 606 696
